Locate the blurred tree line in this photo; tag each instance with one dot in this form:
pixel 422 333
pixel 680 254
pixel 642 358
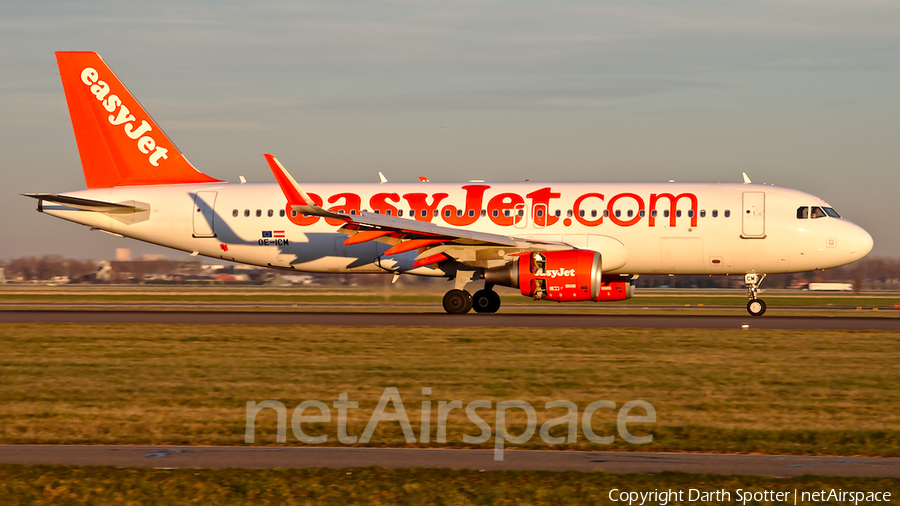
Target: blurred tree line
pixel 875 273
pixel 46 267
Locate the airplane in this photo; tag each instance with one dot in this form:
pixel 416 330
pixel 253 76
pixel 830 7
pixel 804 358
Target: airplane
pixel 553 241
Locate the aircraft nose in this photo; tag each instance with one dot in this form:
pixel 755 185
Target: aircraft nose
pixel 861 243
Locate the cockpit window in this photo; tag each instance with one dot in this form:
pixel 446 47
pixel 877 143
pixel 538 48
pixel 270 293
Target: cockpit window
pixel 817 212
pixel 831 212
pixel 802 213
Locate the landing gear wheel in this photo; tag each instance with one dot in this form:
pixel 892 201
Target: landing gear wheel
pixel 457 302
pixel 485 301
pixel 756 307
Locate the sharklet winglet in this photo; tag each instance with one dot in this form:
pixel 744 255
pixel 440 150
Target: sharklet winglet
pixel 287 179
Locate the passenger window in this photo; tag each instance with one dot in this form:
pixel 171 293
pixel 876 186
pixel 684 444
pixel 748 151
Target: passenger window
pixel 569 213
pixel 258 213
pixel 293 213
pixel 558 213
pixel 246 213
pixel 630 213
pixel 471 213
pixel 593 213
pixel 446 213
pixel 703 213
pixel 666 213
pixel 606 213
pixel 727 213
pixel 377 211
pixel 618 213
pixel 641 213
pixel 234 213
pixel 389 212
pixel 425 213
pixel 495 213
pixel 399 212
pixel 539 213
pixel 715 213
pixel 521 213
pixel 271 213
pixel 581 213
pixel 506 213
pixel 483 213
pixel 459 213
pixel 678 213
pixel 435 213
pixel 691 213
pixel 653 213
pixel 281 213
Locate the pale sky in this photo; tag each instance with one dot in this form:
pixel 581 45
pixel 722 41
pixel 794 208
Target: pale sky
pixel 803 94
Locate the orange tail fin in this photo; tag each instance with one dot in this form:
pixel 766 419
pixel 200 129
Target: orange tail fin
pixel 119 143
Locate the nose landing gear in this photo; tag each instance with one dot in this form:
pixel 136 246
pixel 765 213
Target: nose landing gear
pixel 756 306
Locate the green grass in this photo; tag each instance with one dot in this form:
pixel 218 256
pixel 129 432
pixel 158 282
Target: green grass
pixel 108 485
pixel 713 390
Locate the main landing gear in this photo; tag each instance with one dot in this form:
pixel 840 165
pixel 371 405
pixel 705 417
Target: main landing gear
pixel 486 301
pixel 457 302
pixel 756 306
pixel 461 302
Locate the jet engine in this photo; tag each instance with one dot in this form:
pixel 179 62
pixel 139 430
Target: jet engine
pixel 563 276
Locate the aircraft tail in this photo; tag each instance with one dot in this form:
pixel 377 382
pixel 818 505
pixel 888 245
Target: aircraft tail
pixel 119 143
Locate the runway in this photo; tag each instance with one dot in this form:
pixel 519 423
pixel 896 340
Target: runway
pixel 354 319
pixel 249 457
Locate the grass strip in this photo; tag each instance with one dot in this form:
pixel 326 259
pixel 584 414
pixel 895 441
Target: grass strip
pixel 60 485
pixel 761 391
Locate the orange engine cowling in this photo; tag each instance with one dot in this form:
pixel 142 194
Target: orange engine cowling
pixel 563 276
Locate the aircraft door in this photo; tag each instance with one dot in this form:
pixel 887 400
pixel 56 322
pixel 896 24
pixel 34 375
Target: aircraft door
pixel 204 213
pixel 754 215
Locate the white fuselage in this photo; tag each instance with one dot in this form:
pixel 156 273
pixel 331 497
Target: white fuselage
pixel 719 228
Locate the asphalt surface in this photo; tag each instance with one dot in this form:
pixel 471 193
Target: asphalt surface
pixel 304 457
pixel 552 320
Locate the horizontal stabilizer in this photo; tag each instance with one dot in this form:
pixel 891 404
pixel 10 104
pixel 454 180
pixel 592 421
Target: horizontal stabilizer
pixel 84 204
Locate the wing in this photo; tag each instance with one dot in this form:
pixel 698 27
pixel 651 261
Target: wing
pixel 434 243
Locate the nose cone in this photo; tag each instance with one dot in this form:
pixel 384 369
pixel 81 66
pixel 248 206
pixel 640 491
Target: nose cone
pixel 860 243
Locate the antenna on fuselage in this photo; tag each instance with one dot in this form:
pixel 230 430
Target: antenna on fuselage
pixel 746 178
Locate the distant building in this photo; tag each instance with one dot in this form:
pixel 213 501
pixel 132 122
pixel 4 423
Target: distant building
pixel 2 277
pixel 830 287
pixel 123 255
